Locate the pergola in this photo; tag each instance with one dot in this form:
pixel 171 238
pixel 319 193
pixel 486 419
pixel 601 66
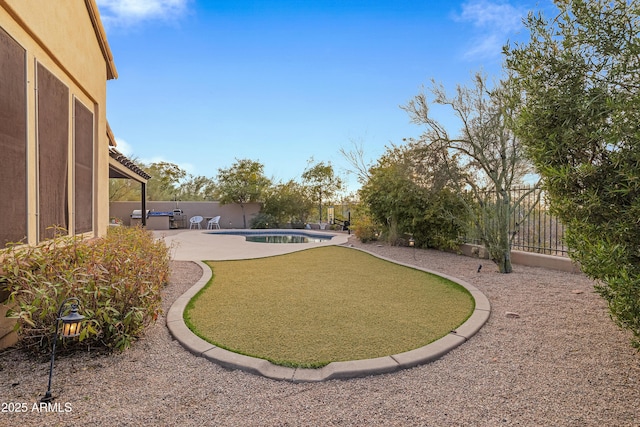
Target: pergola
pixel 121 167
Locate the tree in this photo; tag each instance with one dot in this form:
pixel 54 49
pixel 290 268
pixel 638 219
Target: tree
pixel 580 78
pixel 408 193
pixel 165 180
pixel 197 188
pixel 124 189
pixel 168 182
pixel 287 203
pixel 322 182
pixel 491 156
pixel 355 157
pixel 243 182
pixel 121 189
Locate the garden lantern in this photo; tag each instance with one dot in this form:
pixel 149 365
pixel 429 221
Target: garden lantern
pixel 412 244
pixel 71 325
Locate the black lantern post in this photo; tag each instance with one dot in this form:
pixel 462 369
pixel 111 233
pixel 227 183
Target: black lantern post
pixel 412 244
pixel 71 325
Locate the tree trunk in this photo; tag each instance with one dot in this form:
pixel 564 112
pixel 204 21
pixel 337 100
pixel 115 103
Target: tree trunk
pixel 497 238
pixel 503 261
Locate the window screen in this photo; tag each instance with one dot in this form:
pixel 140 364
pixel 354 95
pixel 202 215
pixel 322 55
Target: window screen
pixel 83 141
pixel 53 140
pixel 13 140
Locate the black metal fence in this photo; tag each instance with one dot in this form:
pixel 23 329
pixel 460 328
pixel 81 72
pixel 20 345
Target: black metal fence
pixel 539 232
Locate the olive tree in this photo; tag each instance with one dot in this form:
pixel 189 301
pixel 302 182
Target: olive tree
pixel 488 152
pixel 579 74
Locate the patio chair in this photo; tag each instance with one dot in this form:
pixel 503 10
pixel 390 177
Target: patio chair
pixel 213 223
pixel 195 221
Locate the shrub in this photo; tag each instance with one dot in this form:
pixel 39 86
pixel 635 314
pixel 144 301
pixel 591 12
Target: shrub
pixel 263 220
pixel 365 228
pixel 117 278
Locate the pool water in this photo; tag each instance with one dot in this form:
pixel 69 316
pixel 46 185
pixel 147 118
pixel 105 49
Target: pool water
pixel 278 237
pixel 284 238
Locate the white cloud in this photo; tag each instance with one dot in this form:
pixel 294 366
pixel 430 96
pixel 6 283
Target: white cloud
pixel 493 21
pixel 490 15
pixel 124 147
pixel 128 12
pixel 488 45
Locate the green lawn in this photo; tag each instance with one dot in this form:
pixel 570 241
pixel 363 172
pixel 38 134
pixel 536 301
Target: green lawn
pixel 317 306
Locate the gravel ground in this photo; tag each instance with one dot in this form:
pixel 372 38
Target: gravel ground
pixel 562 362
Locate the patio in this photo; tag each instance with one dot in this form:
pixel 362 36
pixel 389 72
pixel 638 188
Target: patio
pixel 201 245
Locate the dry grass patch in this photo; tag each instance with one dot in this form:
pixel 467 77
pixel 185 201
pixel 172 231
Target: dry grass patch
pixel 317 306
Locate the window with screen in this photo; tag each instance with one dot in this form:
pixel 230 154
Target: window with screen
pixel 13 140
pixel 83 167
pixel 53 149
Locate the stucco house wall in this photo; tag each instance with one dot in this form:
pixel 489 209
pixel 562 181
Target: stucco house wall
pixel 66 41
pixel 54 65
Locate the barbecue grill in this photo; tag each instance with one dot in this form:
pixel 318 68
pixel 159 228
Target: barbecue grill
pixel 177 219
pixel 137 214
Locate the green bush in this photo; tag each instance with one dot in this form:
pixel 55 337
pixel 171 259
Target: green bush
pixel 262 221
pixel 117 279
pixel 365 229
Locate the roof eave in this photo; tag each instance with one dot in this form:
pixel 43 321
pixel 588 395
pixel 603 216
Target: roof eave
pixel 101 35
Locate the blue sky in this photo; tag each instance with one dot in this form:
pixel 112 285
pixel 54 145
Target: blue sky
pixel 202 83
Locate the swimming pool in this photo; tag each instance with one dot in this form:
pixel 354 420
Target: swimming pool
pixel 274 236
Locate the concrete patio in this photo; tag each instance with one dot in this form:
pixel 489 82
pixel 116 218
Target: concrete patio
pixel 212 245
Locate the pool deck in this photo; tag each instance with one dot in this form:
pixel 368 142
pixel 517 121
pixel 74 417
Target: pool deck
pixel 199 245
pixel 205 245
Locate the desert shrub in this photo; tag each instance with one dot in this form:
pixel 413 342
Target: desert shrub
pixel 263 220
pixel 117 279
pixel 403 198
pixel 365 228
pixel 287 203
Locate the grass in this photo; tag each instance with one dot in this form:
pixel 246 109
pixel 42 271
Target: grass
pixel 317 306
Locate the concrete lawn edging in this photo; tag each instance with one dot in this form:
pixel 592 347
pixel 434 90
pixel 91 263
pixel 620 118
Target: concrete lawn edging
pixel 334 370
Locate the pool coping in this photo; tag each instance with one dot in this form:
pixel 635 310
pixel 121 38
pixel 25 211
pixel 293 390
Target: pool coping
pixel 334 370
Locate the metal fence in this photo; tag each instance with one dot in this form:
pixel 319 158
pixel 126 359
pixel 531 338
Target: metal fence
pixel 539 232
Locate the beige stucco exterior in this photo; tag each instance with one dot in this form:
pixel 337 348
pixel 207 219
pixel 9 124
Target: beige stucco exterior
pixel 68 39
